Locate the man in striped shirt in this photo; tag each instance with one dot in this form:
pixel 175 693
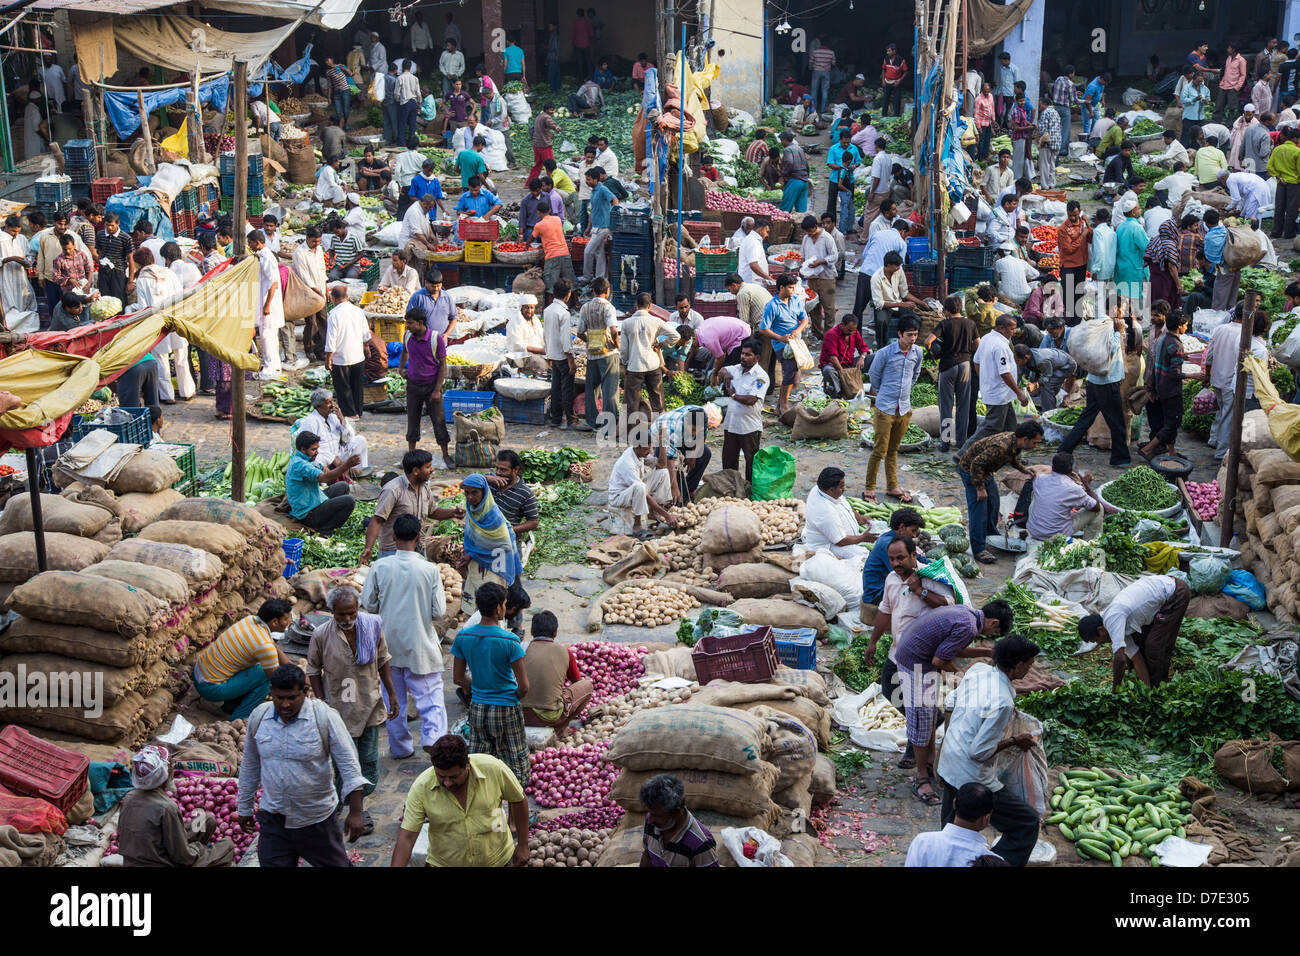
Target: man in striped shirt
pixel 235 669
pixel 821 61
pixel 672 836
pixel 757 150
pixel 340 93
pixel 347 250
pixel 1064 95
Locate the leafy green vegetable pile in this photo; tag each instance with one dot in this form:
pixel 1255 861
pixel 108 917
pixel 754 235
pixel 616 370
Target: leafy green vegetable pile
pixel 548 466
pixel 924 395
pixel 1124 522
pixel 1283 380
pixel 614 123
pixel 1059 554
pixel 561 536
pixel 1141 489
pixel 1283 330
pixel 1270 285
pixel 1193 424
pixel 1124 555
pixel 1145 127
pixel 682 389
pixel 914 435
pixel 1065 416
pixel 851 667
pixel 343 548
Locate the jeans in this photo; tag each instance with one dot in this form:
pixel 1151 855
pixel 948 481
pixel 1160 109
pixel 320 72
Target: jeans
pixel 342 105
pixel 998 418
pixel 889 431
pixel 368 756
pixel 848 213
pixel 246 689
pixel 320 844
pixel 1087 116
pixel 1016 820
pixel 985 143
pixel 954 392
pixel 821 89
pixel 332 513
pixel 893 94
pixel 349 384
pixel 1102 400
pixel 983 515
pixel 419 401
pixel 406 114
pixel 1222 426
pixel 593 258
pixel 553 75
pixel 561 392
pixel 602 373
pixel 137 387
pixel 1064 113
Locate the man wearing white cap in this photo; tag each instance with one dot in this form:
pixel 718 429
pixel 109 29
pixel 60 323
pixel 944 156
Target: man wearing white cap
pixel 377 56
pixel 1247 193
pixel 525 337
pixel 150 829
pixel 338 441
pixel 1247 119
pixel 416 232
pixel 355 219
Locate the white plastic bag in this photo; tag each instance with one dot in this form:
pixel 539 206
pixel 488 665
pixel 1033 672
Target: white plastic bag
pixel 1090 345
pixel 388 235
pixel 769 847
pixel 517 107
pixel 823 597
pixel 844 576
pixel 1023 773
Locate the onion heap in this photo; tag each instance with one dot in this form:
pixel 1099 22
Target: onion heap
pixel 1205 498
pixel 597 818
pixel 218 796
pixel 613 669
pixel 730 202
pixel 571 776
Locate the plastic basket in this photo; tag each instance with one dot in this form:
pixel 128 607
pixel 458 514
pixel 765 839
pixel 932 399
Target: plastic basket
pixel 796 646
pixel 531 412
pixel 923 272
pixel 478 231
pixel 622 219
pixel 186 461
pixel 963 277
pixel 700 229
pixel 137 431
pixel 918 247
pixel 713 282
pixel 748 658
pixel 708 308
pixel 466 402
pixel 55 190
pixel 390 330
pixel 226 163
pixel 713 263
pixel 972 257
pixel 293 555
pixel 688 215
pixel 79 152
pixel 32 767
pixel 629 245
pixel 256 204
pixel 478 252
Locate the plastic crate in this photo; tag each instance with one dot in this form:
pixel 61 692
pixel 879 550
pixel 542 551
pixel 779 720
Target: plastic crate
pixel 53 210
pixel 478 252
pixel 256 204
pixel 32 767
pixel 714 263
pixel 226 163
pixel 635 221
pixel 964 277
pixel 924 291
pixel 708 308
pixel 79 151
pixel 624 302
pixel 700 229
pixel 688 215
pixel 54 189
pixel 918 247
pixel 292 554
pixel 137 431
pixel 712 282
pixel 390 330
pixel 105 186
pixel 625 244
pixel 748 658
pixel 923 272
pixel 796 646
pixel 478 231
pixel 466 402
pixel 189 480
pixel 532 412
pixel 972 257
pixel 255 186
pixel 640 268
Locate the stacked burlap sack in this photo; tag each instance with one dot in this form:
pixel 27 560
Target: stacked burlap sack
pixel 1268 522
pixel 76 534
pixel 135 615
pixel 713 534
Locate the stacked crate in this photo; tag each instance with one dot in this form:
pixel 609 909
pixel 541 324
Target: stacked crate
pixel 82 166
pixel 54 196
pixel 104 187
pixel 256 184
pixel 632 255
pixel 185 208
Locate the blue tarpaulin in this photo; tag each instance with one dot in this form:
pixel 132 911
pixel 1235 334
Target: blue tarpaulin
pixel 123 107
pixel 295 72
pixel 133 206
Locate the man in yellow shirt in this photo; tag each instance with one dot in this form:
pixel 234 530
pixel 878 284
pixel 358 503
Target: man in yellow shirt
pixel 235 669
pixel 460 798
pixel 1284 166
pixel 566 188
pixel 1209 160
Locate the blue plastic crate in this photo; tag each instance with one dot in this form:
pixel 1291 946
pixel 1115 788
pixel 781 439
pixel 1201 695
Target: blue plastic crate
pixel 532 412
pixel 137 431
pixel 923 272
pixel 53 190
pixel 918 247
pixel 226 163
pixel 964 277
pixel 79 151
pixel 293 555
pixel 973 257
pixel 625 244
pixel 631 220
pixel 465 402
pixel 711 282
pixel 624 302
pixel 796 646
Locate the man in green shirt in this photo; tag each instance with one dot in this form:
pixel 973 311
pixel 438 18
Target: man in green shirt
pixel 1109 144
pixel 1284 166
pixel 471 162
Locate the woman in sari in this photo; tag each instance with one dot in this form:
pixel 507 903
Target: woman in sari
pixel 489 542
pixel 1162 258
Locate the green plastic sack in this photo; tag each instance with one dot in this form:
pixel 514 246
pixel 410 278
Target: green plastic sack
pixel 774 471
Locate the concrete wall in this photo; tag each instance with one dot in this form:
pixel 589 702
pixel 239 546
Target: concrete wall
pixel 1025 44
pixel 737 29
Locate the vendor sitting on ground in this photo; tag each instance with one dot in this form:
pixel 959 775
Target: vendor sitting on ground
pixel 683 432
pixel 843 355
pixel 641 484
pixel 1141 623
pixel 338 440
pixel 671 835
pixel 149 825
pixel 557 691
pixel 1061 502
pixel 235 669
pixel 831 524
pixel 526 338
pixel 322 511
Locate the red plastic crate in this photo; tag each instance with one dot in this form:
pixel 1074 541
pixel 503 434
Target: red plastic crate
pixel 32 767
pixel 708 308
pixel 474 231
pixel 105 186
pixel 748 658
pixel 699 229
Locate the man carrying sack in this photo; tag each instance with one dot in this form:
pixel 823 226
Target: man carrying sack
pixel 843 355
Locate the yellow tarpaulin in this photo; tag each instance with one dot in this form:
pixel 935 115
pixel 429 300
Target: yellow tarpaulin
pixel 179 141
pixel 695 98
pixel 1283 418
pixel 218 316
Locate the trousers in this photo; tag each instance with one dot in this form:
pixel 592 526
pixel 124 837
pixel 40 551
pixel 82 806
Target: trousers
pixel 420 401
pixel 349 387
pixel 332 513
pixel 427 691
pixel 320 844
pixel 602 373
pixel 889 431
pixel 984 514
pixel 954 396
pixel 733 444
pixel 998 418
pixel 245 691
pixel 1016 820
pixel 593 258
pixel 561 392
pixel 1103 400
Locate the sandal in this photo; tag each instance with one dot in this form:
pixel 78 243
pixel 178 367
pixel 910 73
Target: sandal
pixel 933 799
pixel 904 496
pixel 907 760
pixel 986 557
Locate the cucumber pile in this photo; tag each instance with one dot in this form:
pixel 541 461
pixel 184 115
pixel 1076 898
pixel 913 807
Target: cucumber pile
pixel 1109 818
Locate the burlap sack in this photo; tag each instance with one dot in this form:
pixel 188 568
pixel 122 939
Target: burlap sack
pixel 167 586
pixel 779 613
pixel 95 495
pixel 720 562
pixel 108 535
pixel 808 684
pixel 529 282
pixel 744 794
pixel 118 723
pixel 830 423
pixel 1248 764
pixel 28 636
pixel 690 736
pixel 815 718
pixel 927 419
pixel 728 483
pixel 721 693
pixel 1261 458
pixel 55 670
pixel 58 514
pixel 66 597
pixel 147 472
pixel 1255 433
pixel 625 844
pixel 792 749
pixel 1276 472
pixel 223 541
pixel 63 552
pixel 674 662
pixel 729 529
pixel 801 849
pixel 754 580
pixel 247 521
pixel 490 428
pixel 139 510
pixel 195 566
pixel 822 786
pixel 795 797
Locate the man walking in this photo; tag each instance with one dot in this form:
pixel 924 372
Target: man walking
pixel 602 200
pixel 1103 398
pixel 1231 83
pixel 1064 95
pixel 639 338
pixel 544 130
pixel 821 61
pixel 408 102
pixel 996 369
pixel 820 261
pixel 346 332
pixel 746 385
pixel 557 325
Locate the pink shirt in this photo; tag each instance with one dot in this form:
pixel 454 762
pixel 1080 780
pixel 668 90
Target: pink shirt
pixel 721 333
pixel 638 71
pixel 1234 73
pixel 582 33
pixel 984 110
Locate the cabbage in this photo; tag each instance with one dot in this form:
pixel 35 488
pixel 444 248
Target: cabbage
pixel 105 307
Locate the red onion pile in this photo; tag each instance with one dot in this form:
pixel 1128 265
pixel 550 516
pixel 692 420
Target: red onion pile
pixel 670 269
pixel 597 818
pixel 218 796
pixel 730 202
pixel 1205 498
pixel 571 776
pixel 614 669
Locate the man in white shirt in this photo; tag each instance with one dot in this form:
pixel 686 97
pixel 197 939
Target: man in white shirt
pixel 959 843
pixel 1141 623
pixel 309 265
pixel 1221 372
pixel 1176 184
pixel 377 56
pixel 1153 217
pixel 346 332
pixel 1013 277
pixel 557 328
pixel 751 260
pixel 1248 193
pixel 819 269
pixel 996 365
pixel 451 64
pixel 1174 152
pixel 1062 505
pixel 398 275
pixel 605 157
pixel 873 260
pixel 637 488
pixel 406 166
pixel 1000 229
pixel 746 385
pixel 526 338
pixel 831 525
pixel 270 303
pixel 408 101
pixel 421 38
pixel 338 440
pixel 983 705
pixel 416 232
pixel 639 336
pixel 329 190
pixel 878 187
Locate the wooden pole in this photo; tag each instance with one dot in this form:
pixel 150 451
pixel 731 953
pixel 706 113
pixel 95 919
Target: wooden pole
pixel 148 136
pixel 1233 460
pixel 38 523
pixel 194 129
pixel 239 418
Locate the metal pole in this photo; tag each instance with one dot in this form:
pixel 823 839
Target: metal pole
pixel 38 524
pixel 6 131
pixel 681 159
pixel 1229 507
pixel 238 419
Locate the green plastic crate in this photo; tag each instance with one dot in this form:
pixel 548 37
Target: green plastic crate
pixel 256 204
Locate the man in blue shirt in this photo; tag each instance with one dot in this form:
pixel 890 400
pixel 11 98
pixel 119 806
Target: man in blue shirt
pixel 1008 74
pixel 426 183
pixel 513 55
pixel 894 371
pixel 784 318
pixel 842 159
pixel 478 201
pixel 471 163
pixel 439 310
pixel 903 523
pixel 322 511
pixel 489 666
pixel 1090 107
pixel 1194 98
pixel 1103 398
pixel 602 200
pixel 888 239
pixel 1224 283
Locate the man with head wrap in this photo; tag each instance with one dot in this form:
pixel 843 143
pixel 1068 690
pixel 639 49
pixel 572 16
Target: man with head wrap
pixel 338 440
pixel 150 829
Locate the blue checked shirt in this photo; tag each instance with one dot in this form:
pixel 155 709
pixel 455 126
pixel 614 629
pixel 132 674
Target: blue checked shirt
pixel 893 373
pixel 1064 92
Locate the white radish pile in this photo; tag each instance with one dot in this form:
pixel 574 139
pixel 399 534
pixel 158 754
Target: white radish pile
pixel 571 776
pixel 572 847
pixel 613 669
pixel 645 604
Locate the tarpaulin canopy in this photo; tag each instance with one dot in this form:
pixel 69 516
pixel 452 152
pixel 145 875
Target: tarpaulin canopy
pixel 991 21
pixel 179 42
pixel 123 107
pixel 295 72
pixel 329 14
pixel 218 316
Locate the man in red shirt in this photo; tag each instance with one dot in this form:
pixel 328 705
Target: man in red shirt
pixel 893 71
pixel 843 355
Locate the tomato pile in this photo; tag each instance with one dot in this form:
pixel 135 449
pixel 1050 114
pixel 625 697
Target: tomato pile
pixel 446 247
pixel 969 241
pixel 1052 262
pixel 711 251
pixel 791 256
pixel 1044 232
pixel 512 247
pixel 6 471
pixel 1046 245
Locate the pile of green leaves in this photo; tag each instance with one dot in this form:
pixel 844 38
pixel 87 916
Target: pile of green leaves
pixel 1283 330
pixel 851 667
pixel 1124 555
pixel 1283 380
pixel 343 548
pixel 1124 522
pixel 747 174
pixel 1220 638
pixel 1141 489
pixel 1065 416
pixel 550 466
pixel 924 395
pixel 682 389
pixel 1059 554
pixel 614 123
pixel 914 435
pixel 1270 285
pixel 1193 424
pixel 819 404
pixel 1060 645
pixel 1145 127
pixel 848 763
pixel 561 535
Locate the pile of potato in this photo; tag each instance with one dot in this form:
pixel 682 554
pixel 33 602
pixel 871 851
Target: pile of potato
pixel 604 720
pixel 572 847
pixel 389 300
pixel 452 584
pixel 645 604
pixel 680 551
pixel 227 734
pixel 782 518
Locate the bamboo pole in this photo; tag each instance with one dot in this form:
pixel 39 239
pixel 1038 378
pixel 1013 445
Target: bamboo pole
pixel 239 402
pixel 144 131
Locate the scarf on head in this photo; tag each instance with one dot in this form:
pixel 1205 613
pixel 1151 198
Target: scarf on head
pixel 489 539
pixel 1163 250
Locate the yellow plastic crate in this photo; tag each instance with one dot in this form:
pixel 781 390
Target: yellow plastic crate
pixel 390 330
pixel 478 252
